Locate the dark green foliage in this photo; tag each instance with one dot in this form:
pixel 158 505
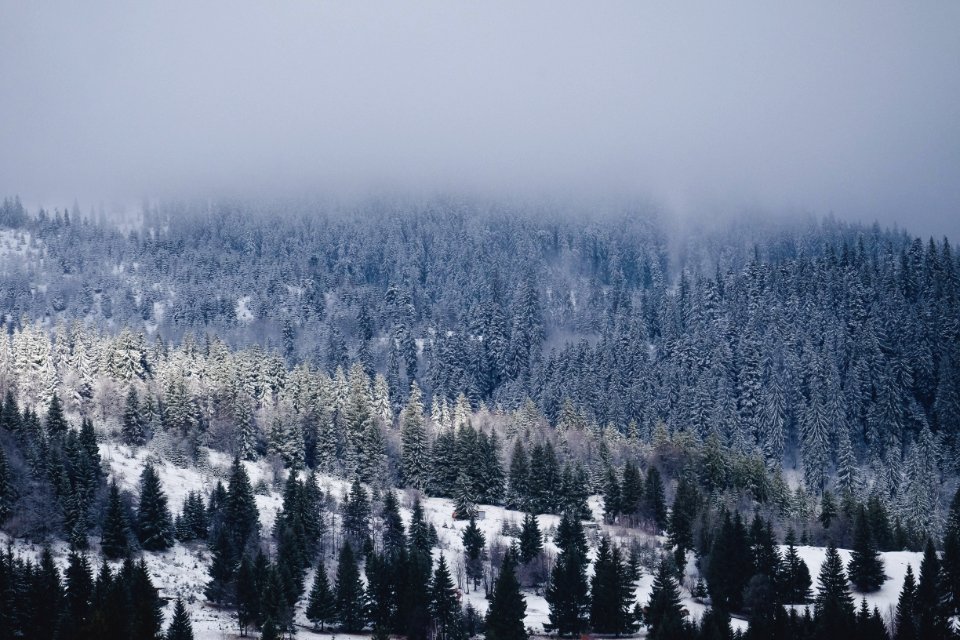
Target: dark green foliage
pixel 611 592
pixel 154 524
pixel 56 423
pixel 349 593
pixel 828 509
pixel 631 493
pixel 654 508
pixel 444 604
pixel 932 621
pixel 180 627
pixel 665 615
pixel 730 565
pixel 321 606
pixel 356 514
pixel 951 557
pixel 611 496
pixel 906 621
pixel 7 493
pixel 239 515
pixel 531 540
pixel 567 593
pixel 794 576
pixel 834 605
pixel 866 566
pixel 518 479
pixel 115 541
pixel 132 427
pixel 505 616
pixel 473 546
pixel 680 529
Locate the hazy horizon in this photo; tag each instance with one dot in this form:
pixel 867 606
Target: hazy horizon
pixel 697 110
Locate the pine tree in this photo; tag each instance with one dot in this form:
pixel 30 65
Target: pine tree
pixel 518 479
pixel 154 523
pixel 567 592
pixel 631 494
pixel 611 597
pixel 828 508
pixel 905 621
pixel 356 514
pixel 114 540
pixel 655 504
pixel 664 614
pixel 56 422
pixel 834 605
pixel 349 594
pixel 241 518
pixel 247 595
pixel 505 616
pixel 933 624
pixel 866 566
pixel 444 605
pixel 321 606
pixel 180 627
pixel 473 544
pixel 222 569
pixel 611 496
pixel 531 540
pixel 414 463
pixel 132 427
pixel 951 557
pixel 7 492
pixel 394 536
pixel 794 576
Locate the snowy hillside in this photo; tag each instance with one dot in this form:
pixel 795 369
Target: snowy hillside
pixel 182 570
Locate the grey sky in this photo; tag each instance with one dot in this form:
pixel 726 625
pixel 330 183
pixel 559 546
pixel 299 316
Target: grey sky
pixel 707 108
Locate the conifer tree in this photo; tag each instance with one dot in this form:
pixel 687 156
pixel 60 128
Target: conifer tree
pixel 505 616
pixel 7 493
pixel 247 595
pixel 951 557
pixel 655 504
pixel 518 479
pixel 834 605
pixel 473 545
pixel 321 606
pixel 154 523
pixel 349 594
pixel 631 493
pixel 932 623
pixel 240 515
pixel 56 422
pixel 356 514
pixel 664 614
pixel 611 597
pixel 132 426
pixel 794 576
pixel 222 568
pixel 444 605
pixel 180 626
pixel 905 621
pixel 566 593
pixel 414 463
pixel 114 540
pixel 611 496
pixel 531 540
pixel 866 566
pixel 394 536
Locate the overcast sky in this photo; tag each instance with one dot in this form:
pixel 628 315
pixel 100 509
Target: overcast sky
pixel 705 108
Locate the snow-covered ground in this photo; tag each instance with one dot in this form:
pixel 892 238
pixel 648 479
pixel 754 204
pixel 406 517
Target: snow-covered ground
pixel 182 570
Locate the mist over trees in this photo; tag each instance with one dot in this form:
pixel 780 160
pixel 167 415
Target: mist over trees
pixel 734 389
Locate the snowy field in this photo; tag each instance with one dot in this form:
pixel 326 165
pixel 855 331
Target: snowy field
pixel 182 570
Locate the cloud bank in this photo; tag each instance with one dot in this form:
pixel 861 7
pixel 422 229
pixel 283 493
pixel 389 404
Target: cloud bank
pixel 704 107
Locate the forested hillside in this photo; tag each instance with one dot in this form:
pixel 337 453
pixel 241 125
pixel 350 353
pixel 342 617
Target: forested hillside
pixel 729 388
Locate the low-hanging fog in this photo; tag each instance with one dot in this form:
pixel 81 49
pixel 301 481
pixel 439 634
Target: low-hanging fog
pixel 702 108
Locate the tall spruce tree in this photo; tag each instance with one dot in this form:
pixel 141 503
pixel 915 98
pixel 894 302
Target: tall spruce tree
pixel 834 604
pixel 444 604
pixel 507 610
pixel 611 592
pixel 154 523
pixel 932 621
pixel 180 627
pixel 531 540
pixel 114 540
pixel 349 593
pixel 866 566
pixel 321 605
pixel 665 615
